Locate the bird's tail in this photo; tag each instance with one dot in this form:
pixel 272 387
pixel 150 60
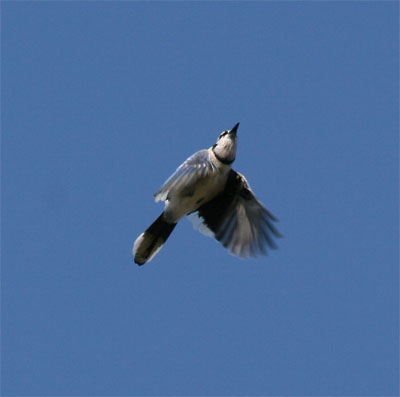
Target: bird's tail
pixel 151 241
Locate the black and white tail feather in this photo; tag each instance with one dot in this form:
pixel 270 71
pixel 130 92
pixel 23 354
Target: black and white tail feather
pixel 217 199
pixel 151 241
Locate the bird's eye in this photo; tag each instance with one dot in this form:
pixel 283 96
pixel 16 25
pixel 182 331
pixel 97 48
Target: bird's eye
pixel 223 134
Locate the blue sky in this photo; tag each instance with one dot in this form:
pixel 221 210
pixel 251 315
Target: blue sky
pixel 101 101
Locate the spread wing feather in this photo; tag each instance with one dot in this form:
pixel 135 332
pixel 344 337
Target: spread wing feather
pixel 238 220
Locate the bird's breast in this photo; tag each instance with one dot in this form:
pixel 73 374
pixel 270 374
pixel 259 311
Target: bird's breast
pixel 190 197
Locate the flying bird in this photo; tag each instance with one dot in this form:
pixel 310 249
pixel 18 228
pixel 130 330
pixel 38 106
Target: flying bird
pixel 217 199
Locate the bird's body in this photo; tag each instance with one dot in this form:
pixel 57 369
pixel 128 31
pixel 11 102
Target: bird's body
pixel 227 208
pixel 181 202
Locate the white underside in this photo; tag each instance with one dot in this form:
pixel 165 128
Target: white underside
pixel 199 225
pixel 178 205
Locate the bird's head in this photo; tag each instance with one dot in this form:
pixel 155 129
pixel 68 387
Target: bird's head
pixel 225 148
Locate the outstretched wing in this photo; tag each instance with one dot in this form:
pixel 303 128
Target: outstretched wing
pixel 238 220
pixel 195 167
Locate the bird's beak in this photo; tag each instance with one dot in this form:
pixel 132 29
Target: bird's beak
pixel 234 129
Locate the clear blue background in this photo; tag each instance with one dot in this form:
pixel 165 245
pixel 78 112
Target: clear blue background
pixel 102 101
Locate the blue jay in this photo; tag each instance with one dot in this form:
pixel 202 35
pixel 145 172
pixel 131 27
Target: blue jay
pixel 225 206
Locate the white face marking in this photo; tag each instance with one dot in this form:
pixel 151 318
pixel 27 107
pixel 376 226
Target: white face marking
pixel 225 148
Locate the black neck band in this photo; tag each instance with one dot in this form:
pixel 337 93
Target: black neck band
pixel 221 160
